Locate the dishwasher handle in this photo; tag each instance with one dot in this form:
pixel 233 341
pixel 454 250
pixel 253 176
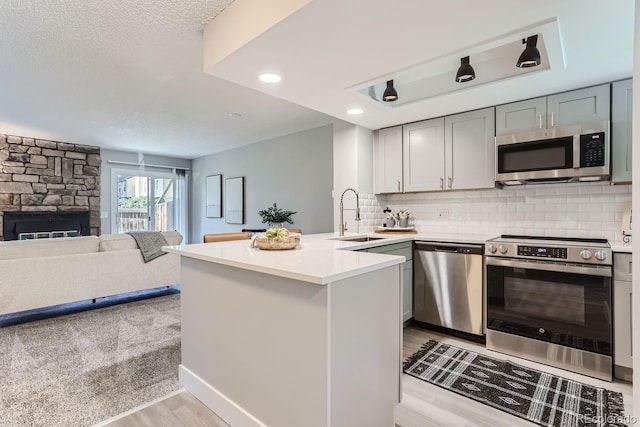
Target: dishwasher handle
pixel 456 248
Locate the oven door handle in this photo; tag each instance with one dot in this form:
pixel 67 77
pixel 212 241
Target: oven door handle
pixel 561 268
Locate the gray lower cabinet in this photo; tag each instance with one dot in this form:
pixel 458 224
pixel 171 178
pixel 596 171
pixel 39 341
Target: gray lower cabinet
pixel 405 250
pixel 621 121
pixel 622 313
pixel 575 107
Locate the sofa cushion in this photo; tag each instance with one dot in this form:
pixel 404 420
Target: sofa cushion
pixel 172 237
pixel 15 249
pixel 119 242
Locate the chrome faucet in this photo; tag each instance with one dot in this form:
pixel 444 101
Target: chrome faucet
pixel 343 225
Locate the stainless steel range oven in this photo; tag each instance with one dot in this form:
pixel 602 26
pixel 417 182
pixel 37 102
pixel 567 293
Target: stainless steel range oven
pixel 549 300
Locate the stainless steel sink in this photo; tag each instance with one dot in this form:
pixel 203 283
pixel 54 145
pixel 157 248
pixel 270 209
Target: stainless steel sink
pixel 360 239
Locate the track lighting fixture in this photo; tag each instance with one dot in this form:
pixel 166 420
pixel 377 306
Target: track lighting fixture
pixel 530 57
pixel 465 72
pixel 390 93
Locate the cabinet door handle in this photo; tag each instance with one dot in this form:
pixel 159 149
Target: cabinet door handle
pixel 441 183
pixel 450 181
pixel 398 185
pixel 540 121
pixel 552 122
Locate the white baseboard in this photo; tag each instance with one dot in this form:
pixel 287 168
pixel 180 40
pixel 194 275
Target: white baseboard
pixel 224 407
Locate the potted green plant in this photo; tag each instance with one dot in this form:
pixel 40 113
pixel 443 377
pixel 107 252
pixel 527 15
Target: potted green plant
pixel 275 217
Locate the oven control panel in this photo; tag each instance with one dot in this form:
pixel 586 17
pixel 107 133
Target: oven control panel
pixel 558 250
pixel 542 252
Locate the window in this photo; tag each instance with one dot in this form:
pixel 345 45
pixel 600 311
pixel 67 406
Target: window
pixel 149 201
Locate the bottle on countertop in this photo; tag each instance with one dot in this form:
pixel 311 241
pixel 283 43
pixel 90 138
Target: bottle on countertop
pixel 390 221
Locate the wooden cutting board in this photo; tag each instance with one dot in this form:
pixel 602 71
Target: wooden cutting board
pixel 392 231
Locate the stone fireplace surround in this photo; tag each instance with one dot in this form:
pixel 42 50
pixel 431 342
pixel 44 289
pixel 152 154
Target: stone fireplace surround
pixel 49 177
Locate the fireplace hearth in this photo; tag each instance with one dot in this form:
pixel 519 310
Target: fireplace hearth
pixel 37 225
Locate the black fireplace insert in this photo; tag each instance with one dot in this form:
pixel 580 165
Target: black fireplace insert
pixel 33 225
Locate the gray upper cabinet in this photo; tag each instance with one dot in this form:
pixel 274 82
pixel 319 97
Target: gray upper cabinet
pixel 450 153
pixel 621 121
pixel 521 116
pixel 579 106
pixel 387 160
pixel 470 150
pixel 563 109
pixel 423 145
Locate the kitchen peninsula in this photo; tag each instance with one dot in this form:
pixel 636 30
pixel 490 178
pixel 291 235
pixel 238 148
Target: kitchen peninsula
pixel 310 336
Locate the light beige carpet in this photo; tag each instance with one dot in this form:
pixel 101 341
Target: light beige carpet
pixel 83 368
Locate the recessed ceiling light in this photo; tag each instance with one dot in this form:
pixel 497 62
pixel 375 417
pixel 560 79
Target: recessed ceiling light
pixel 269 78
pixel 236 115
pixel 354 111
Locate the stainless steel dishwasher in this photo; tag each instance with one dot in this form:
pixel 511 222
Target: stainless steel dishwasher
pixel 447 284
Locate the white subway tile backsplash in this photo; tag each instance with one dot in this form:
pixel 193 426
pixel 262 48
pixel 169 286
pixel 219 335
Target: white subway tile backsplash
pixel 619 189
pixel 590 225
pixel 537 216
pixel 577 199
pixel 547 207
pixel 555 216
pixel 567 207
pixel 590 207
pixel 590 189
pixel 516 199
pixel 564 210
pixel 546 191
pixel 554 232
pixel 602 216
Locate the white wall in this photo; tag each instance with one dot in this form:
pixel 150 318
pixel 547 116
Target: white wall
pixel 353 168
pixel 109 156
pixel 295 171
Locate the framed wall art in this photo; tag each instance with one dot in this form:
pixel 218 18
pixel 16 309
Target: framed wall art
pixel 234 200
pixel 214 196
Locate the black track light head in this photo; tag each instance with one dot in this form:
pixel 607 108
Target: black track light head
pixel 466 72
pixel 530 57
pixel 390 93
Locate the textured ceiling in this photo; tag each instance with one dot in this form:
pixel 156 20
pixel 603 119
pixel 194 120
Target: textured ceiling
pixel 127 75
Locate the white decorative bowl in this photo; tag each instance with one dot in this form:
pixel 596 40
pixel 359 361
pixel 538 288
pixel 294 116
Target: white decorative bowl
pixel 277 243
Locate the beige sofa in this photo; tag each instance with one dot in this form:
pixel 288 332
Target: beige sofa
pixel 46 272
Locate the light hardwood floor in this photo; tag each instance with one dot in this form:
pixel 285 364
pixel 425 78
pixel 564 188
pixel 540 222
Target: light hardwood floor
pixel 423 404
pixel 178 410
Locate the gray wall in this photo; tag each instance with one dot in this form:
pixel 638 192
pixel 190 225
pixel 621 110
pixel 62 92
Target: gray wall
pixel 295 171
pixel 108 156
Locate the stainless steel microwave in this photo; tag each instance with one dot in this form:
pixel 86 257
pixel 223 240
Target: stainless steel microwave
pixel 571 153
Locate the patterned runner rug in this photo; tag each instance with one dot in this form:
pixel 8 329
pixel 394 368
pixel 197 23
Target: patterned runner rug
pixel 536 396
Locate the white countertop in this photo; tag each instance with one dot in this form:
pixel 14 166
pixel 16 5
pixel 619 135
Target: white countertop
pixel 320 258
pixel 621 247
pixel 323 258
pixel 315 260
